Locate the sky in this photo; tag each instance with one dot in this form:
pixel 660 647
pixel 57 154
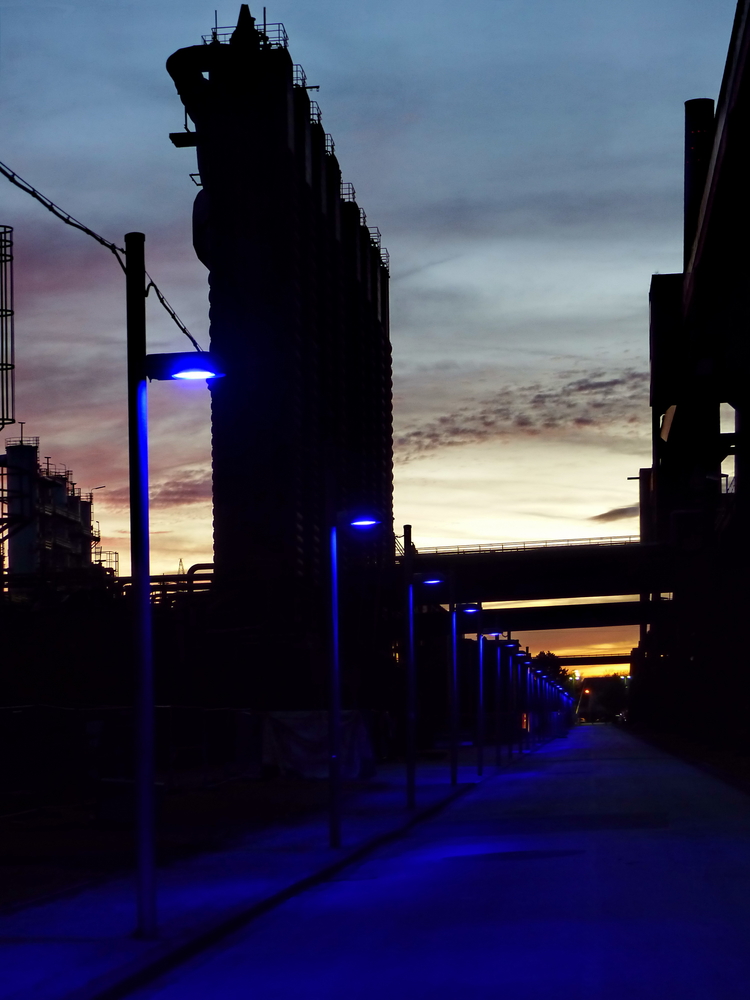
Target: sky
pixel 523 161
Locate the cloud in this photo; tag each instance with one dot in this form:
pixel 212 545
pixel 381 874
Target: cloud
pixel 190 487
pixel 617 514
pixel 555 214
pixel 597 401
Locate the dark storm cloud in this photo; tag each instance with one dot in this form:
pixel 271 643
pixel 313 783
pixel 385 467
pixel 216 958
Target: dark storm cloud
pixel 569 403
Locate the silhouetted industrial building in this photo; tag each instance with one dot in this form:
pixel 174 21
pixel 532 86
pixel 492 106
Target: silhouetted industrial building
pixel 46 520
pixel 691 672
pixel 299 314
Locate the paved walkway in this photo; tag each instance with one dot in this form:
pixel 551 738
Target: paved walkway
pixel 599 867
pixel 80 946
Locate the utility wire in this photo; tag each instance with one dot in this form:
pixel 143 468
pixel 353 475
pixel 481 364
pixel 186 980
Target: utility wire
pixel 160 296
pixel 68 219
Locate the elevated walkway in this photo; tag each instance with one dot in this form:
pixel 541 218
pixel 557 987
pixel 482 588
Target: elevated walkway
pixel 549 570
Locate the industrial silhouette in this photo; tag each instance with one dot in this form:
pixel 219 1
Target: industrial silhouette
pixel 690 565
pixel 302 435
pixel 49 520
pixel 299 315
pixel 694 498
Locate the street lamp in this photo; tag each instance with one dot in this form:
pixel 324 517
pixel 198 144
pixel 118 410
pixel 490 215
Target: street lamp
pixel 469 609
pixel 184 365
pixel 358 522
pixel 411 580
pixel 523 699
pixel 411 673
pixel 580 696
pixel 504 678
pixel 141 368
pixel 480 704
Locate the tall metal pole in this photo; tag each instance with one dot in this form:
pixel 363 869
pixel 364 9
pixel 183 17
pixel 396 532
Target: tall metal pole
pixel 521 702
pixel 411 673
pixel 518 700
pixel 454 717
pixel 499 685
pixel 135 283
pixel 480 704
pixel 334 704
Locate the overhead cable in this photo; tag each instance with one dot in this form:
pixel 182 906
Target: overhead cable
pixel 68 219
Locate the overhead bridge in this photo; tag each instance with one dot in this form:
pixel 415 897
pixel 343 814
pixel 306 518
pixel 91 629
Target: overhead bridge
pixel 591 567
pixel 573 616
pixel 591 661
pixel 555 617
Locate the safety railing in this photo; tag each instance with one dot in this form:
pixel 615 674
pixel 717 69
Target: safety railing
pixel 273 36
pixel 444 550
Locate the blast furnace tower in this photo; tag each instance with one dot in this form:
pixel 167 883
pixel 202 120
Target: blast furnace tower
pixel 301 424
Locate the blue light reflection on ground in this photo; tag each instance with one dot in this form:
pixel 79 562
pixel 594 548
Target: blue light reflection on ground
pixel 553 879
pixel 598 868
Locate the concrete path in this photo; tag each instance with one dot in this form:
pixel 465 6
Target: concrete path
pixel 599 867
pixel 80 946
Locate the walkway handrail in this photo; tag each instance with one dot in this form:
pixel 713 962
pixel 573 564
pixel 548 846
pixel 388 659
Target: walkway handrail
pixel 444 550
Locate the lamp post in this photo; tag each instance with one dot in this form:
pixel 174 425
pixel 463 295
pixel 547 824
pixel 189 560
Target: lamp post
pixel 523 701
pixel 453 695
pixel 480 704
pixel 499 685
pixel 504 685
pixel 411 580
pixel 531 681
pixel 362 522
pixel 411 673
pixel 584 690
pixel 469 609
pixel 135 283
pixel 140 368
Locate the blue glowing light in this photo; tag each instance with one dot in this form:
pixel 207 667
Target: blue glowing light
pixel 431 582
pixel 364 522
pixel 192 365
pixel 194 373
pixel 471 611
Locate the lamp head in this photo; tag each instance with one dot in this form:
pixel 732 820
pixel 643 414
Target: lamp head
pixel 359 517
pixel 185 365
pixel 364 522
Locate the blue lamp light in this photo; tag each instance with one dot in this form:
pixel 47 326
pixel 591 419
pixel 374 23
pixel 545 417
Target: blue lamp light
pixel 185 365
pixel 195 373
pixel 425 580
pixel 360 521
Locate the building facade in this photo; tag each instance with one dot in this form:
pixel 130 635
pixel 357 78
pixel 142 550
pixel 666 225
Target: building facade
pixel 47 521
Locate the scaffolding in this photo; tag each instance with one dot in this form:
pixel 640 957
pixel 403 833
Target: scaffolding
pixel 7 360
pixel 46 521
